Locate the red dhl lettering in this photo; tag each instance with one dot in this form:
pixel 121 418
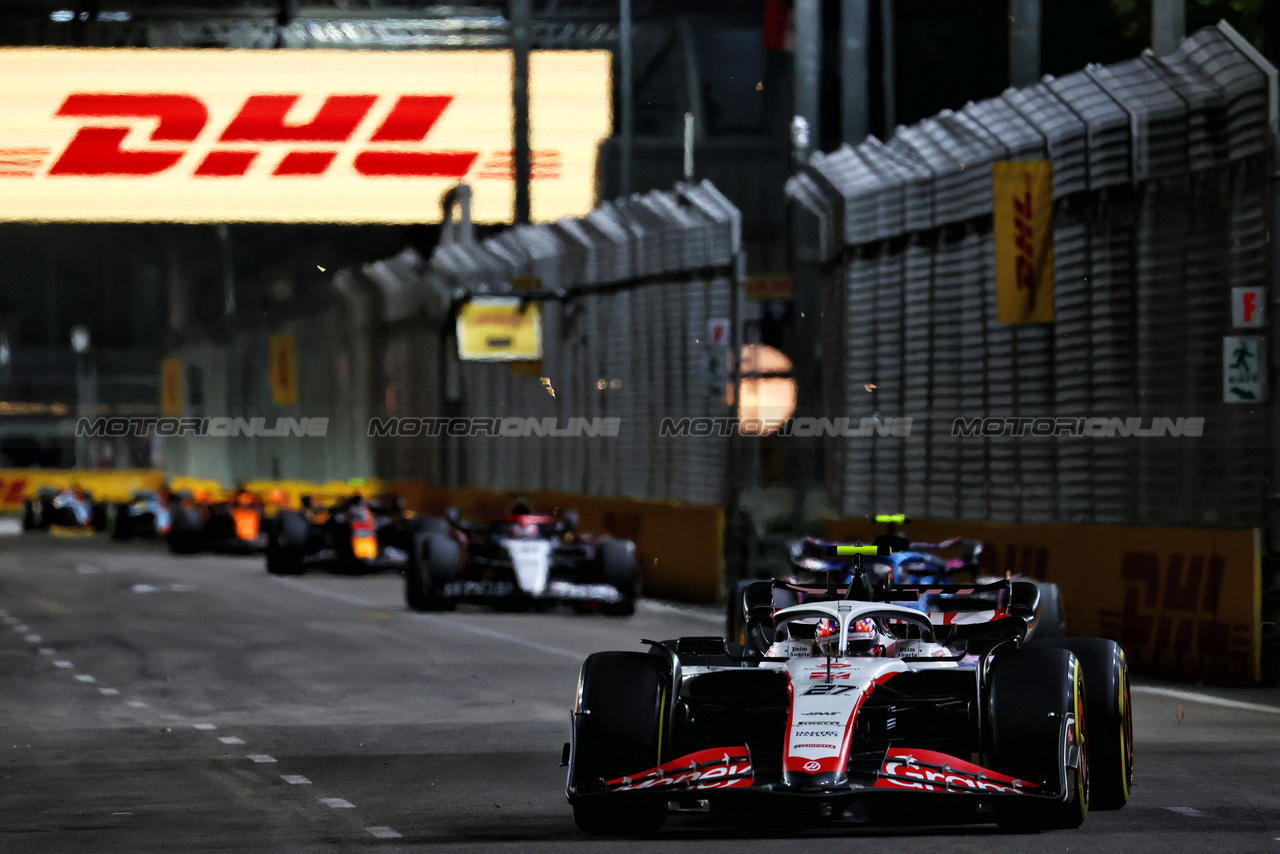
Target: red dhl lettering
pixel 98 150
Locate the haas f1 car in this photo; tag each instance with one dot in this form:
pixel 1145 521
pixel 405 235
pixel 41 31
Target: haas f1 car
pixel 519 560
pixel 846 707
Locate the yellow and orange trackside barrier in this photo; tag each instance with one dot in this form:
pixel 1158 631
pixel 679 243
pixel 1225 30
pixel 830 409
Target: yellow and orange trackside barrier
pixel 679 547
pixel 115 485
pixel 1181 601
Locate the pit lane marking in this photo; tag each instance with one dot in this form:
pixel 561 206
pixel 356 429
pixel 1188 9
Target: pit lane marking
pixel 33 639
pixel 1187 811
pixel 1207 699
pixel 230 739
pixel 65 665
pixel 260 758
pixel 109 692
pixel 295 779
pixel 383 833
pixel 85 677
pixel 45 650
pixel 203 726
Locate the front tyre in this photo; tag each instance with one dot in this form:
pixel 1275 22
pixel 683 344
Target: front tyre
pixel 434 561
pixel 618 731
pixel 1034 691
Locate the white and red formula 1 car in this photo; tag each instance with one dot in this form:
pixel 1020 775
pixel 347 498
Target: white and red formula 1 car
pixel 848 707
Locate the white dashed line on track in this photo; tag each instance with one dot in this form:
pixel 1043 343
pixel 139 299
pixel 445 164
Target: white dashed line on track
pixel 1187 811
pixel 33 639
pixel 383 833
pixel 21 629
pixel 230 739
pixel 85 677
pixel 260 758
pixel 109 692
pixel 65 665
pixel 1207 699
pixel 45 650
pixel 204 726
pixel 136 704
pixel 338 803
pixel 295 779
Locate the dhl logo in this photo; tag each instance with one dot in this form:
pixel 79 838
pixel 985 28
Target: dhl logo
pixel 396 148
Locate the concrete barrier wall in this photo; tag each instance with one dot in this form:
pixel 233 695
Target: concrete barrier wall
pixel 1183 602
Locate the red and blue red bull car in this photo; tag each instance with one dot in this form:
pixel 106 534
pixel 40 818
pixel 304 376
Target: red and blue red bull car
pixel 845 706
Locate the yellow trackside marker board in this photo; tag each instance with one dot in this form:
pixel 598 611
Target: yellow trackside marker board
pixel 170 387
pixel 284 369
pixel 498 329
pixel 1022 194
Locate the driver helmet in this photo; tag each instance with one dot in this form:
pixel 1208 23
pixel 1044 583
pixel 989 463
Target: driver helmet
pixel 863 637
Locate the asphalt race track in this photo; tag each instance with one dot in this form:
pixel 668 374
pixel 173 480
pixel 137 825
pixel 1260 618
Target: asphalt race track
pixel 149 702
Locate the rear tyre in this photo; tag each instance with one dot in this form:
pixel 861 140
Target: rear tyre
pixel 1050 622
pixel 184 531
pixel 118 522
pixel 98 516
pixel 286 544
pixel 1106 681
pixel 617 731
pixel 30 516
pixel 618 566
pixel 1032 692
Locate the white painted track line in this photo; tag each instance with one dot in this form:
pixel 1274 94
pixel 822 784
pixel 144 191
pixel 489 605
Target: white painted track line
pixel 109 692
pixel 1207 699
pixel 383 833
pixel 295 779
pixel 85 677
pixel 338 803
pixel 65 665
pixel 230 739
pixel 204 726
pixel 260 758
pixel 1187 811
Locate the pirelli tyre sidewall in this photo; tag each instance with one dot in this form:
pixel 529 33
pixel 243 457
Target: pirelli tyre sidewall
pixel 619 718
pixel 1106 679
pixel 1037 708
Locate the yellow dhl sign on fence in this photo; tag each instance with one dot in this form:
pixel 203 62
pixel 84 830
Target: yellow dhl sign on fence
pixel 1022 195
pixel 284 369
pixel 499 329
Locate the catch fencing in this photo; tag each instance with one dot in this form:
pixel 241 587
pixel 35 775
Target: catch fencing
pixel 629 295
pixel 1161 202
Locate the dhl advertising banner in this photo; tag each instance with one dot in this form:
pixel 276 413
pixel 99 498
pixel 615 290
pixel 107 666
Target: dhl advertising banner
pixel 1022 194
pixel 1181 601
pixel 128 135
pixel 18 485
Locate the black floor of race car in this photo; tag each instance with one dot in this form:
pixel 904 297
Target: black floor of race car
pixel 151 702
